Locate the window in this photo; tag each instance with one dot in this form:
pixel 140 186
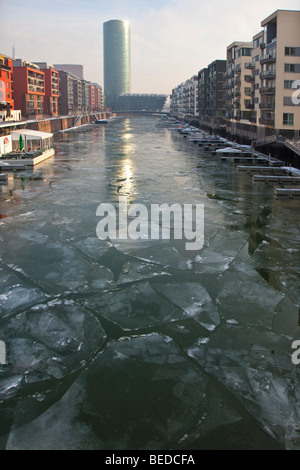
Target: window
pixel 8 95
pixel 288 84
pixel 289 67
pixel 290 51
pixel 288 119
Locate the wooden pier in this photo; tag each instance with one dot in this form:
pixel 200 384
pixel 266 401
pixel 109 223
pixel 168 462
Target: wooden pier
pixel 276 179
pixel 287 193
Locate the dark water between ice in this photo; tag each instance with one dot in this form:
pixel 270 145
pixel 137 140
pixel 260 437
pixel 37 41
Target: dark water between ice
pixel 144 345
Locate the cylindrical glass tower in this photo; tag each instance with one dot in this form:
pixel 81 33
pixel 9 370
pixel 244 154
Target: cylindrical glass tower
pixel 116 60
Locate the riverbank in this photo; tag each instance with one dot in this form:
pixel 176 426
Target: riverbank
pixel 53 125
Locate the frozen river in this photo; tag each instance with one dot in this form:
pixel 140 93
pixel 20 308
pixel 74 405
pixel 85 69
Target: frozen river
pixel 143 344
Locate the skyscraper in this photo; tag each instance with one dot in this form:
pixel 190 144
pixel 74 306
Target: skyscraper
pixel 117 60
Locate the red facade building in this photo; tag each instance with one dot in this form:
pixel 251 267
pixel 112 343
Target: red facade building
pixel 51 88
pixel 92 98
pixel 6 83
pixel 29 88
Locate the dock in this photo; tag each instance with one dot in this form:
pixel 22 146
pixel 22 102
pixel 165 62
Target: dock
pixel 3 179
pixel 23 163
pixel 276 179
pixel 287 193
pixel 273 170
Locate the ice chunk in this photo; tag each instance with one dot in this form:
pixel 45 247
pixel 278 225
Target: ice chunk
pixel 161 253
pixel 194 299
pixel 135 307
pixel 139 393
pixel 254 364
pixel 92 247
pixel 243 291
pixel 137 270
pixel 57 267
pixel 50 341
pixel 15 295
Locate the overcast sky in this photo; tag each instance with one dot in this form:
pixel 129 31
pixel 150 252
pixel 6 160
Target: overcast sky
pixel 171 40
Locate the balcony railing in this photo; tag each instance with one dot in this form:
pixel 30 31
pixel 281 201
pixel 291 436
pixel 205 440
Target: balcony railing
pixel 268 74
pixel 268 58
pixel 5 66
pixel 249 65
pixel 267 122
pixel 267 105
pixel 267 90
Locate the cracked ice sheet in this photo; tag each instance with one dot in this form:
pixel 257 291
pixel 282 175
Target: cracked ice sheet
pixel 156 252
pixel 257 367
pixel 15 295
pixel 287 281
pixel 135 307
pixel 54 266
pixel 139 393
pixel 49 341
pixel 246 297
pixel 194 299
pixel 136 270
pixel 221 251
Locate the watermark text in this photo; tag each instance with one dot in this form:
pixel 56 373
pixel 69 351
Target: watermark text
pixel 160 221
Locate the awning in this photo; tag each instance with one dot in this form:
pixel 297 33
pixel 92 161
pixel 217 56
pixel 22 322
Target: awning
pixel 30 134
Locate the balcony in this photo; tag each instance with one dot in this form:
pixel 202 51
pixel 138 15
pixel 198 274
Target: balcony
pixel 268 105
pixel 268 74
pixel 249 79
pixel 267 90
pixel 5 66
pixel 249 105
pixel 249 65
pixel 267 122
pixel 237 81
pixel 269 58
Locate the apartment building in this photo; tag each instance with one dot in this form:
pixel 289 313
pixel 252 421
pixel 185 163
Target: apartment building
pixel 176 107
pixel 29 88
pixel 280 73
pixel 184 100
pixel 190 99
pixel 262 83
pixel 86 104
pixel 6 83
pixel 238 85
pixel 66 102
pixel 73 69
pixel 51 88
pixel 212 96
pixel 77 95
pixel 98 97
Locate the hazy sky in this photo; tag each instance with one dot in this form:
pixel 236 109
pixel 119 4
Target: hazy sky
pixel 171 40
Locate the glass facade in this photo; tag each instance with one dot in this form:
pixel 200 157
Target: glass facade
pixel 117 60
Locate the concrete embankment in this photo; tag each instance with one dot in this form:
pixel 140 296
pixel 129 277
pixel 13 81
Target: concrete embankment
pixel 53 125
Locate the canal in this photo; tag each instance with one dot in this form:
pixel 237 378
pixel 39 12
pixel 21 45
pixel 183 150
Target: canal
pixel 138 342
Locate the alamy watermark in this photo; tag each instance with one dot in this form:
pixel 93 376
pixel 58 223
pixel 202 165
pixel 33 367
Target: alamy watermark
pixel 2 353
pixel 160 221
pixel 296 354
pixel 296 94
